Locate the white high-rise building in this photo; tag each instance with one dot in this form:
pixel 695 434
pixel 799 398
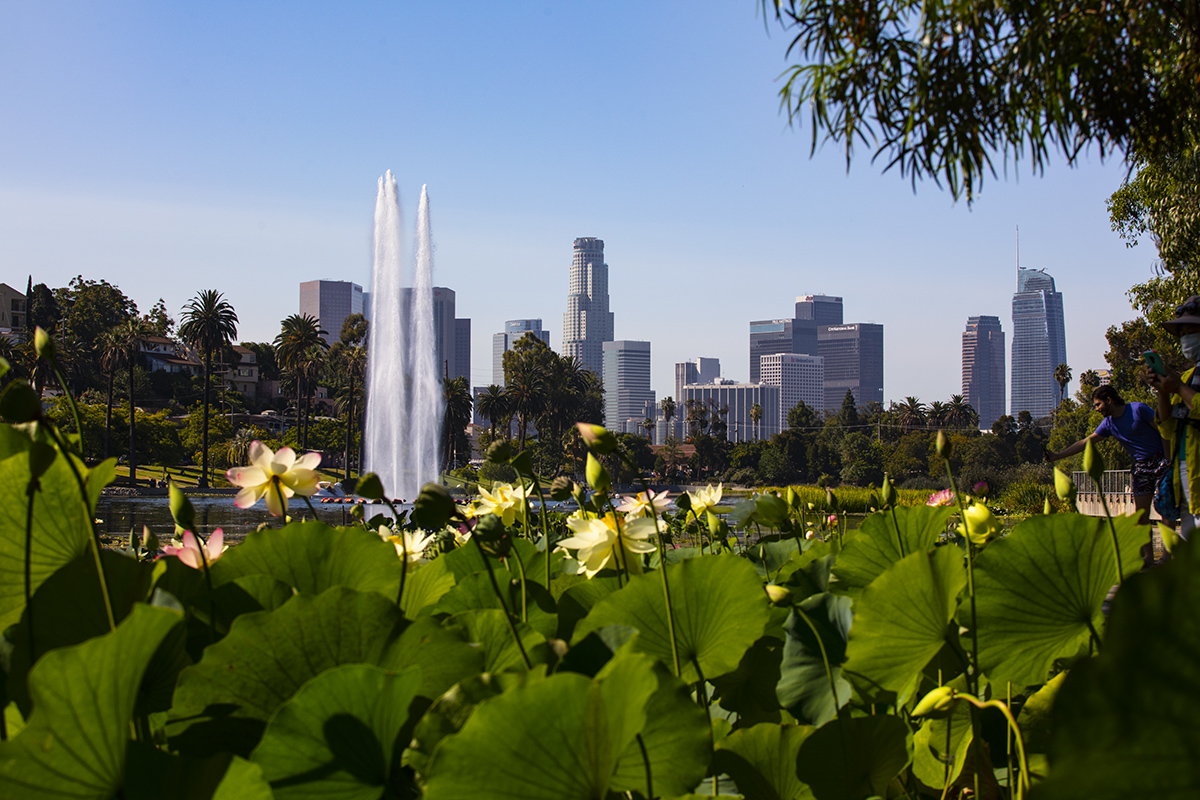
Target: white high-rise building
pixel 738 398
pixel 514 329
pixel 701 370
pixel 800 378
pixel 330 302
pixel 626 379
pixel 588 323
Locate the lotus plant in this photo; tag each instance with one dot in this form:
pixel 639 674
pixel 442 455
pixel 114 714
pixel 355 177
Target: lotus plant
pixel 596 541
pixel 277 475
pixel 195 554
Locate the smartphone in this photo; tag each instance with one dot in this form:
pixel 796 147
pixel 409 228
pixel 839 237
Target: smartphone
pixel 1155 362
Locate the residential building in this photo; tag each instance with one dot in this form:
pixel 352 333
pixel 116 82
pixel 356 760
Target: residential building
pixel 738 398
pixel 853 357
pixel 702 370
pixel 163 354
pixel 330 302
pixel 772 336
pixel 243 376
pixel 514 329
pixel 12 309
pixel 587 323
pixel 800 378
pixel 983 368
pixel 822 309
pixel 626 376
pixel 1039 343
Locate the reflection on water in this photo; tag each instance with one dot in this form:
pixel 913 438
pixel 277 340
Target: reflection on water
pixel 119 515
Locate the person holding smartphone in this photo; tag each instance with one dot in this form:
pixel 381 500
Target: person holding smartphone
pixel 1178 413
pixel 1132 425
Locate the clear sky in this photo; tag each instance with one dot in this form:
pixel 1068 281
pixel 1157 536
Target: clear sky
pixel 175 147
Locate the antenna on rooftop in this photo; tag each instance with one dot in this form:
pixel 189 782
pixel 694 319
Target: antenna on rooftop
pixel 1018 247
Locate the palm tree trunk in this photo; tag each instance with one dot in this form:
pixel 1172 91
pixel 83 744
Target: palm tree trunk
pixel 203 484
pixel 108 414
pixel 132 429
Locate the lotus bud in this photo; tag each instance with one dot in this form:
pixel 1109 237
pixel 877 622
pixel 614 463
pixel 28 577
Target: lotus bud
pixel 936 704
pixel 810 534
pixel 943 445
pixel 149 540
pixel 831 500
pixel 43 345
pixel 1064 487
pixel 597 475
pixel 779 595
pixel 522 463
pixel 434 507
pixel 1047 507
pixel 597 439
pixel 562 488
pixel 499 452
pixel 181 508
pixel 684 502
pixel 356 512
pixel 369 486
pixel 979 525
pixel 791 498
pixel 714 524
pixel 887 492
pixel 1093 463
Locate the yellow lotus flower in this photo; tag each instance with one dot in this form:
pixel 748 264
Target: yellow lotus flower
pixel 504 500
pixel 644 504
pixel 980 525
pixel 415 542
pixel 706 498
pixel 277 475
pixel 596 541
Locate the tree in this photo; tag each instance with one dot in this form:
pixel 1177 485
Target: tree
pixel 960 414
pixel 42 309
pixel 668 410
pixel 158 322
pixel 111 358
pixel 1161 198
pixel 648 424
pixel 941 89
pixel 911 414
pixel 209 323
pixel 848 415
pixel 457 396
pixel 493 406
pixel 801 417
pixel 756 417
pixel 299 348
pixel 1062 376
pixel 129 335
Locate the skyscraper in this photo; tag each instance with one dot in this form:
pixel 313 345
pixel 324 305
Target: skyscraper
pixel 588 323
pixel 626 376
pixel 823 309
pixel 514 329
pixel 771 336
pixel 799 378
pixel 451 335
pixel 736 399
pixel 853 361
pixel 1039 343
pixel 702 370
pixel 983 368
pixel 330 302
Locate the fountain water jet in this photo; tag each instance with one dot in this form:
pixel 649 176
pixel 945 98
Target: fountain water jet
pixel 404 400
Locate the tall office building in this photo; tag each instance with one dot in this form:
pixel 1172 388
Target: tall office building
pixel 821 308
pixel 462 348
pixel 800 378
pixel 514 329
pixel 853 361
pixel 588 323
pixel 983 368
pixel 771 336
pixel 451 335
pixel 330 302
pixel 739 398
pixel 626 376
pixel 702 370
pixel 1039 343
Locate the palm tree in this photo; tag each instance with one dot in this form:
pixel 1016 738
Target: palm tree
pixel 109 347
pixel 1062 376
pixel 911 413
pixel 756 417
pixel 209 324
pixel 668 410
pixel 129 336
pixel 457 395
pixel 526 393
pixel 493 405
pixel 937 414
pixel 298 336
pixel 648 424
pixel 961 414
pixel 350 362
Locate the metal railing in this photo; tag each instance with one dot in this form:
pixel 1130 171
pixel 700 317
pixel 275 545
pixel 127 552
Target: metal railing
pixel 1113 482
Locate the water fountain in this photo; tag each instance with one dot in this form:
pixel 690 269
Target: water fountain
pixel 404 398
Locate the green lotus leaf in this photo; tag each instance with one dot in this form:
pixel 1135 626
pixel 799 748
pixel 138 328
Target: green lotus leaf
pixel 153 774
pixel 564 737
pixel 901 620
pixel 853 757
pixel 1124 723
pixel 83 697
pixel 768 556
pixel 1037 714
pixel 577 602
pixel 761 760
pixel 803 685
pixel 61 528
pixel 443 654
pixel 720 610
pixel 424 586
pixel 451 711
pixel 589 655
pixel 476 591
pixel 935 759
pixel 466 561
pixel 1040 588
pixel 312 557
pixel 486 627
pixel 749 691
pixel 340 736
pixel 223 702
pixel 875 547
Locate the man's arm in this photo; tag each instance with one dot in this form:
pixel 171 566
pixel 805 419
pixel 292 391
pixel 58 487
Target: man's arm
pixel 1071 450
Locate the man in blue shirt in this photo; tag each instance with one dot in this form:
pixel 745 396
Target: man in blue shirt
pixel 1131 424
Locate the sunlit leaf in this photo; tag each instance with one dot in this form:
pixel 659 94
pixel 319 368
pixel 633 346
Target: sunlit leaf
pixel 762 759
pixel 876 546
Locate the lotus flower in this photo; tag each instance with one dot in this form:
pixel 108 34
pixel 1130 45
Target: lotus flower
pixel 645 504
pixel 706 498
pixel 505 501
pixel 980 524
pixel 415 542
pixel 596 541
pixel 190 553
pixel 277 475
pixel 943 498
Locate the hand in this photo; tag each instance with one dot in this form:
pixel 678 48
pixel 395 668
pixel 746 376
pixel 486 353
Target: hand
pixel 1169 383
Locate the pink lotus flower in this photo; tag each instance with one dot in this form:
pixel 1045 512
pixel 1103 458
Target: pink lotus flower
pixel 190 552
pixel 831 520
pixel 943 498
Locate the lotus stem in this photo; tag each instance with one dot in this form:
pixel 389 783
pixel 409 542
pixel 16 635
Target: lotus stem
pixel 311 508
pixel 62 382
pixel 646 762
pixel 403 552
pixel 32 492
pixel 524 593
pixel 662 568
pixel 512 628
pixel 1116 545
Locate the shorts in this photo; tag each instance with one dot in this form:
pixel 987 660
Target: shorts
pixel 1147 472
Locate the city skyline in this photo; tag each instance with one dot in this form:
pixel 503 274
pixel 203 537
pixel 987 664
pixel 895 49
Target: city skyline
pixel 256 170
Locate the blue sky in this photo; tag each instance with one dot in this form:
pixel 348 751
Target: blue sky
pixel 170 148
